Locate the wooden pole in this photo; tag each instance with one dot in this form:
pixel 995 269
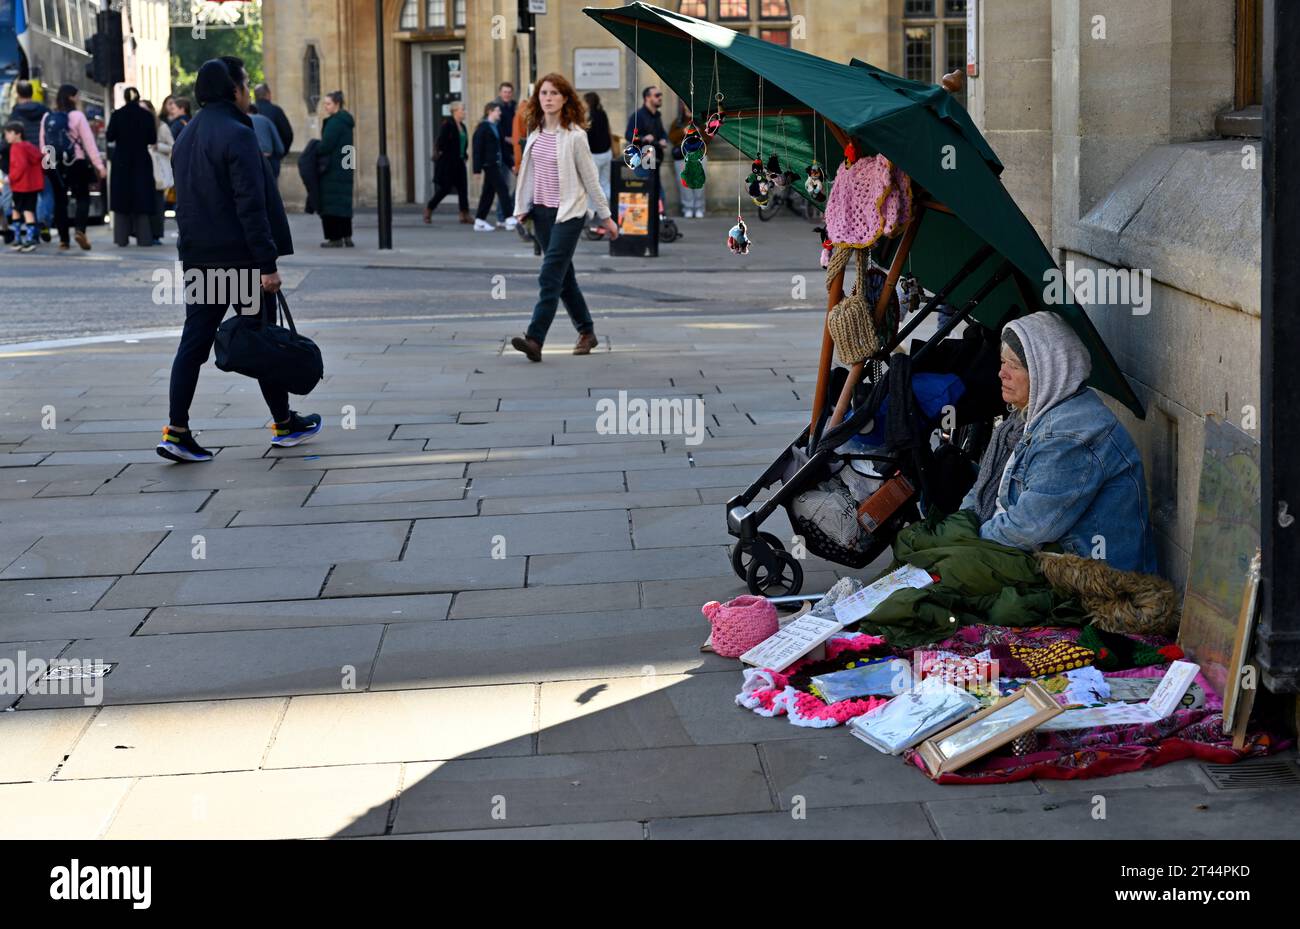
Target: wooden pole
pixel 882 305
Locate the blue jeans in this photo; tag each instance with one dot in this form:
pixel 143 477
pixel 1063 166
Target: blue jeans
pixel 556 280
pixel 45 205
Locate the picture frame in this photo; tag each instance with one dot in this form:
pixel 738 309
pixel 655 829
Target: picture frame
pixel 995 726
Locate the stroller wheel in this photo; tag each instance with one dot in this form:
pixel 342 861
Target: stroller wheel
pixel 740 558
pixel 783 578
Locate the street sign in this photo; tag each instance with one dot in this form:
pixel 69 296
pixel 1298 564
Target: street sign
pixel 596 68
pixel 537 7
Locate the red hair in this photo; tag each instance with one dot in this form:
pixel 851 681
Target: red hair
pixel 573 113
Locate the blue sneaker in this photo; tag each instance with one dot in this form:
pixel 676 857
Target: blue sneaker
pixel 181 446
pixel 296 430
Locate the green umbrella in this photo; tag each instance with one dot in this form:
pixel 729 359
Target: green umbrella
pixel 803 107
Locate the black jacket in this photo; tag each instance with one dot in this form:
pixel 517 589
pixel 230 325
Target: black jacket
pixel 279 121
pixel 487 147
pixel 448 164
pixel 131 131
pixel 30 115
pixel 228 207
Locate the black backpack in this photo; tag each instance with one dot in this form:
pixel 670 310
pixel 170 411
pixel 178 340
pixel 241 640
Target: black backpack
pixel 258 347
pixel 58 139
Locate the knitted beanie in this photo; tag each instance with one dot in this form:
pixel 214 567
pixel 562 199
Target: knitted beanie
pixel 740 624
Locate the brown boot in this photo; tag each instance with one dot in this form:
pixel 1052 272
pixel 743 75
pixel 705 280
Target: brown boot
pixel 586 342
pixel 528 346
pixel 465 217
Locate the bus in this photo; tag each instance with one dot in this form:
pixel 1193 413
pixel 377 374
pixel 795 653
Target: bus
pixel 57 32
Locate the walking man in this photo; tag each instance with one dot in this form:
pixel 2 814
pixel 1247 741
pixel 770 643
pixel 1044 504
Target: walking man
pixel 232 225
pixel 489 161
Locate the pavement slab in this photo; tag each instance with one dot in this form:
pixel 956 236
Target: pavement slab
pixel 291 614
pixel 60 809
pixel 36 743
pixel 248 547
pixel 182 588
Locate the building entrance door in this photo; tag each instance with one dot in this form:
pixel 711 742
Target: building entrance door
pixel 440 82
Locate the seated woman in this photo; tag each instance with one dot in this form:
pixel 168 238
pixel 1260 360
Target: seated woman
pixel 1061 468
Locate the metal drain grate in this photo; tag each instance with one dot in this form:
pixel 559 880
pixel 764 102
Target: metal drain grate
pixel 1253 774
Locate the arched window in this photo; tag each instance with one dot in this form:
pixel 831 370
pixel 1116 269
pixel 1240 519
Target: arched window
pixel 697 8
pixel 410 19
pixel 311 78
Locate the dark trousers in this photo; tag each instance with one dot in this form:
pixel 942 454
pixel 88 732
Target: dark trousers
pixel 201 322
pixel 454 179
pixel 336 227
pixel 556 281
pixel 156 217
pixel 74 181
pixel 495 184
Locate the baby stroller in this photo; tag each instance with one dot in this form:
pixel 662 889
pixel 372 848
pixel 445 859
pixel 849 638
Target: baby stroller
pixel 885 450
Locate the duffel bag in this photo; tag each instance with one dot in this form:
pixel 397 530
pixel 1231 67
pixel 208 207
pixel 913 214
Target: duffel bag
pixel 259 347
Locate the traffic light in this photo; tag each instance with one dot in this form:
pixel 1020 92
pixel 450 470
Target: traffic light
pixel 106 65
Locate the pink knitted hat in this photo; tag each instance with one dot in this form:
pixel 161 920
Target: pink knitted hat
pixel 740 624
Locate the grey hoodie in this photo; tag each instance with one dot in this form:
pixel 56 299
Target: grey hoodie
pixel 1058 362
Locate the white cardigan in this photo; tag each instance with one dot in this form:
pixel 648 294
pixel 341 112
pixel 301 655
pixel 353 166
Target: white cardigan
pixel 578 177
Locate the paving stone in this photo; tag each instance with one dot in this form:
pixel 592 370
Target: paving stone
pixel 736 476
pixel 60 810
pixel 25 658
pixel 1178 774
pixel 224 665
pixel 623 831
pixel 15 541
pixel 387 492
pixel 405 725
pixel 531 601
pixel 36 742
pixel 699 591
pixel 89 509
pixel 593 787
pixel 178 738
pixel 508 506
pixel 592 482
pixel 425 472
pixel 597 531
pixel 280 545
pixel 662 564
pixel 1186 813
pixel 395 457
pixel 182 588
pixel 291 614
pixel 356 513
pixel 671 527
pixel 574 464
pixel 28 626
pixel 652 710
pixel 880 821
pixel 79 555
pixel 235 499
pixel 553 647
pixel 52 595
pixel 457 436
pixel 836 769
pixel 293 804
pixel 416 576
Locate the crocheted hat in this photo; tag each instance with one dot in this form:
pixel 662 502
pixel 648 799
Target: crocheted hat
pixel 740 624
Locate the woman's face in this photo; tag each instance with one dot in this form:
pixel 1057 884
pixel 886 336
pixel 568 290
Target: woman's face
pixel 551 99
pixel 458 113
pixel 1015 380
pixel 329 105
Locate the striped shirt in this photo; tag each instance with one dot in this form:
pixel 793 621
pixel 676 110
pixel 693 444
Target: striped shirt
pixel 546 173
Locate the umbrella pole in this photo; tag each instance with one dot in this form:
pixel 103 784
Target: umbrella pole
pixel 891 280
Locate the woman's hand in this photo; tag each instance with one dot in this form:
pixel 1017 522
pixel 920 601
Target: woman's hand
pixel 520 219
pixel 101 172
pixel 610 227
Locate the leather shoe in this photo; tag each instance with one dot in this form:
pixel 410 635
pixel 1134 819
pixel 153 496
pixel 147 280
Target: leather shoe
pixel 528 346
pixel 586 342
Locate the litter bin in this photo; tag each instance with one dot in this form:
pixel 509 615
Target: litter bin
pixel 634 202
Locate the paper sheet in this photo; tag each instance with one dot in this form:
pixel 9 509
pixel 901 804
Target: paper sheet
pixel 858 605
pixel 795 640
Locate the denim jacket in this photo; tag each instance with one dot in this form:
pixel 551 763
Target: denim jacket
pixel 1076 479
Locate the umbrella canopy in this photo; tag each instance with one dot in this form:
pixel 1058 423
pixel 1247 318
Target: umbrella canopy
pixel 801 107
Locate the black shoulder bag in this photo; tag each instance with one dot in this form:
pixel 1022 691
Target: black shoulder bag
pixel 259 347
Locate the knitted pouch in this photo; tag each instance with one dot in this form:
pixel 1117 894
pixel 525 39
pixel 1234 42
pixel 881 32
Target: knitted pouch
pixel 740 624
pixel 852 321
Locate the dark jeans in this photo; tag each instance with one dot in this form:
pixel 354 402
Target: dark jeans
pixel 74 181
pixel 336 227
pixel 457 181
pixel 556 280
pixel 495 183
pixel 201 322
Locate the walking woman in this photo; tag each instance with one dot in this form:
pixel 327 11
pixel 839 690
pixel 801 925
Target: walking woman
pixel 338 155
pixel 449 154
pixel 556 176
pixel 131 130
pixel 161 153
pixel 71 150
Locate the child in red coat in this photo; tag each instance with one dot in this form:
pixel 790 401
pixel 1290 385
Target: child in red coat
pixel 26 180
